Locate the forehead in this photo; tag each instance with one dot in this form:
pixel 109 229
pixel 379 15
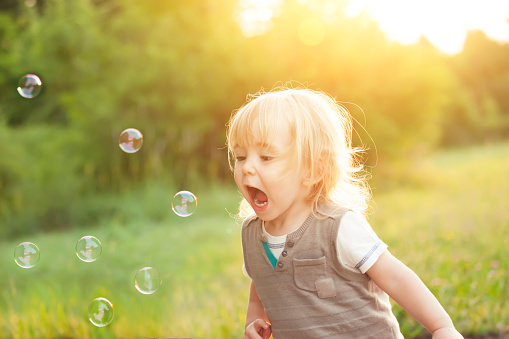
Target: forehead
pixel 262 133
pixel 263 120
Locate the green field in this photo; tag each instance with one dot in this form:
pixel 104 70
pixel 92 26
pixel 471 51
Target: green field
pixel 448 221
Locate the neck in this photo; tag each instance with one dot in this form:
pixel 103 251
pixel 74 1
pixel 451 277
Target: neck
pixel 289 222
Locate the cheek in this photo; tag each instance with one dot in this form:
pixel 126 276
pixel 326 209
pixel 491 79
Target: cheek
pixel 237 175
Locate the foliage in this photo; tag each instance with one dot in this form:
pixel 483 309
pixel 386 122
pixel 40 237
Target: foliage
pixel 176 71
pixel 480 111
pixel 30 181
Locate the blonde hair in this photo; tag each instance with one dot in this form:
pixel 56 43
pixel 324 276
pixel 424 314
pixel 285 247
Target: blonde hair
pixel 322 130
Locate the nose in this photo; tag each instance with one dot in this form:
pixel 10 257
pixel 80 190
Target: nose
pixel 248 168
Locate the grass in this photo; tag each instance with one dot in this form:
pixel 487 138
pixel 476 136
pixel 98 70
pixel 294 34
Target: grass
pixel 452 231
pixel 198 258
pixel 449 225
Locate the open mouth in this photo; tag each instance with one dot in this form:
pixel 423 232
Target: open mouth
pixel 259 198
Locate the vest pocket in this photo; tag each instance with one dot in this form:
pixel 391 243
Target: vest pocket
pixel 306 272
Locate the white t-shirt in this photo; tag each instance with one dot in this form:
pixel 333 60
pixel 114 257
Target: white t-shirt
pixel 358 246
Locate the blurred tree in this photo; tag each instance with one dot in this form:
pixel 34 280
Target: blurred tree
pixel 9 6
pixel 106 67
pixel 481 109
pixel 177 70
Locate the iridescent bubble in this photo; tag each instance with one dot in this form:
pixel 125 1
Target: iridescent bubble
pixel 147 280
pixel 29 86
pixel 184 203
pixel 27 255
pixel 130 140
pixel 88 248
pixel 100 312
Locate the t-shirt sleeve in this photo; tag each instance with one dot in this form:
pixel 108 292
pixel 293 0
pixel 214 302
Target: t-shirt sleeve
pixel 245 271
pixel 358 246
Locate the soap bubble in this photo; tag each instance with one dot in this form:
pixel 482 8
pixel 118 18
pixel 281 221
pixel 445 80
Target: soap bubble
pixel 147 280
pixel 29 86
pixel 100 312
pixel 130 140
pixel 184 203
pixel 27 255
pixel 88 248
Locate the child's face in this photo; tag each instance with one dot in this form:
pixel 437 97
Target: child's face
pixel 265 178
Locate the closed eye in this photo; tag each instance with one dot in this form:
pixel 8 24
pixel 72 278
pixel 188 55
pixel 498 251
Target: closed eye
pixel 240 158
pixel 266 157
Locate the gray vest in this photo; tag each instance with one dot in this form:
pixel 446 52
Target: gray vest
pixel 310 293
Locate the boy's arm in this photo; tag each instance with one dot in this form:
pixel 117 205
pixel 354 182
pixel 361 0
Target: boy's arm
pixel 405 287
pixel 257 324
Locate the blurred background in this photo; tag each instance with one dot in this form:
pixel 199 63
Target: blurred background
pixel 427 83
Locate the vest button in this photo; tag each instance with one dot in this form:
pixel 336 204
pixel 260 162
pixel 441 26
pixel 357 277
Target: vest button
pixel 280 264
pixel 284 253
pixel 290 244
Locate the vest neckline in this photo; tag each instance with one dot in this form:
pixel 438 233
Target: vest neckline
pixel 300 231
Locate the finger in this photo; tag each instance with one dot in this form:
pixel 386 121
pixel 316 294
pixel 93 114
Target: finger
pixel 260 325
pixel 266 332
pixel 254 330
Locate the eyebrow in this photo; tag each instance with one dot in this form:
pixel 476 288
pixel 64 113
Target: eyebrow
pixel 270 148
pixel 259 144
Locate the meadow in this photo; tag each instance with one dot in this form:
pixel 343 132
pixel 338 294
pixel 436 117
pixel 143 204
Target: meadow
pixel 447 219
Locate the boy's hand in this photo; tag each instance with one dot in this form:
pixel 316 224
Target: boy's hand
pixel 258 329
pixel 447 333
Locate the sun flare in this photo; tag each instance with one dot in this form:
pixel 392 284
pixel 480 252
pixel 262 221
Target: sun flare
pixel 444 23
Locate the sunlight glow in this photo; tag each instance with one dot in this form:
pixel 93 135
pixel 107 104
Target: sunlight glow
pixel 254 17
pixel 442 22
pixel 311 31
